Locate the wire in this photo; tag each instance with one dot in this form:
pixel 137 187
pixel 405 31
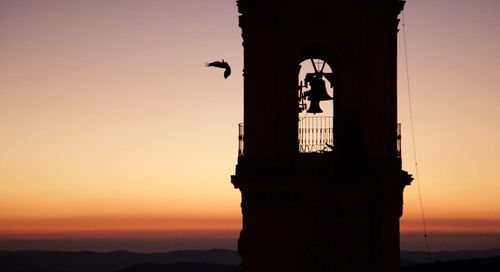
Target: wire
pixel 426 239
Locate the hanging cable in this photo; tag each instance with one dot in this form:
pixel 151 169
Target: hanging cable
pixel 424 223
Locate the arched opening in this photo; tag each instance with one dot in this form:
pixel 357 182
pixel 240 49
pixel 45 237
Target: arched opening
pixel 315 106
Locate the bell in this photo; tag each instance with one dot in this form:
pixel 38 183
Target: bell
pixel 314 107
pixel 318 90
pixel 316 94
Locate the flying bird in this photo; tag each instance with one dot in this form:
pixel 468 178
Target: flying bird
pixel 221 64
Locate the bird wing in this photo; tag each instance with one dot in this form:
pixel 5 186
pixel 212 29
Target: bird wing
pixel 217 64
pixel 227 72
pixel 221 64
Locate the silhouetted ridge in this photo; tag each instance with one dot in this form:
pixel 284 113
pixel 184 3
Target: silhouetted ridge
pixel 86 261
pixel 490 264
pixel 217 260
pixel 181 267
pixel 415 257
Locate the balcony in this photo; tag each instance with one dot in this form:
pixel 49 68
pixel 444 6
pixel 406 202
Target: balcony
pixel 241 142
pixel 398 141
pixel 315 134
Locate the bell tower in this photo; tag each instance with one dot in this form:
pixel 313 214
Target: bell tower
pixel 319 166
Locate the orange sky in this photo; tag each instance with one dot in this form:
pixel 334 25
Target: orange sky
pixel 111 126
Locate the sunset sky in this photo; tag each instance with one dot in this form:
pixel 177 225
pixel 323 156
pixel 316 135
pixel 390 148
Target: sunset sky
pixel 114 134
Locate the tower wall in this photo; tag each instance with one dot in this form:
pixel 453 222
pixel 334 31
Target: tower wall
pixel 330 211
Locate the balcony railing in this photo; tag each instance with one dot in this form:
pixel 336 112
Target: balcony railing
pixel 241 142
pixel 398 141
pixel 315 134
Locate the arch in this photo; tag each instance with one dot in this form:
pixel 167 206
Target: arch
pixel 316 106
pixel 318 51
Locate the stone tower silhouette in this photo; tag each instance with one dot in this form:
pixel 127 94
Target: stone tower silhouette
pixel 320 195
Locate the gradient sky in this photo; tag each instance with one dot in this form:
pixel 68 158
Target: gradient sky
pixel 112 129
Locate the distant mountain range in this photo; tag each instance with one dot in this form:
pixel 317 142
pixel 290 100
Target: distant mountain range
pixel 86 261
pixel 215 260
pixel 409 258
pixel 182 267
pixel 491 264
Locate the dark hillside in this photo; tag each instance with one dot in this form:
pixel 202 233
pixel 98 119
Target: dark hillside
pixel 182 267
pixel 86 261
pixel 491 264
